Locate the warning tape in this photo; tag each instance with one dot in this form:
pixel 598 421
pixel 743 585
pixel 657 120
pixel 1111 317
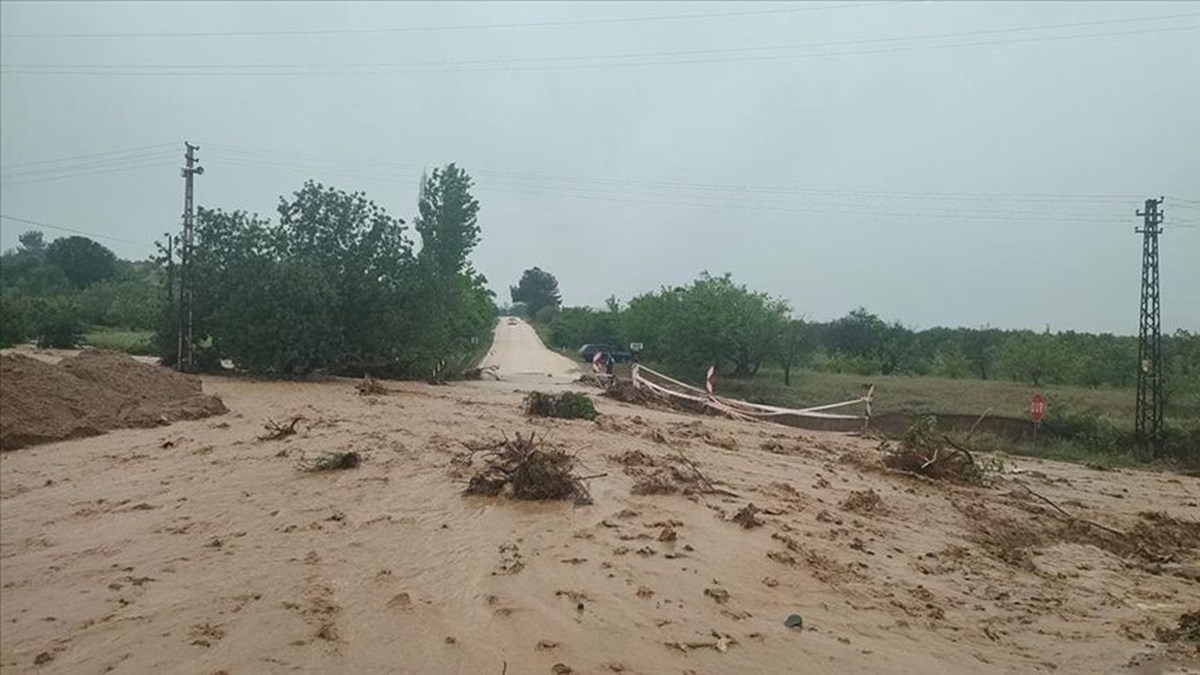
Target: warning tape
pixel 744 409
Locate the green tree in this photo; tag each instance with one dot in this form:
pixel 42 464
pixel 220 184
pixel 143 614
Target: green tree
pixel 448 222
pixel 83 261
pixel 335 285
pixel 56 323
pixel 537 289
pixel 458 303
pixel 797 342
pixel 279 318
pixel 1037 358
pixel 711 321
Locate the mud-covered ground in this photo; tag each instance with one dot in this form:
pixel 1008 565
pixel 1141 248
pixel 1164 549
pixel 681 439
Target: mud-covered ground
pixel 198 548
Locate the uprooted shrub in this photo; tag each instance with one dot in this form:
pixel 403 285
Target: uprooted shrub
pixel 570 405
pixel 924 451
pixel 333 461
pixel 521 469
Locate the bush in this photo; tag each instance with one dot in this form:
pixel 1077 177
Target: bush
pixel 57 324
pixel 569 405
pixel 14 322
pixel 1089 428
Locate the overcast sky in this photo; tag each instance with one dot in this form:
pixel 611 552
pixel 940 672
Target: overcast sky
pixel 815 151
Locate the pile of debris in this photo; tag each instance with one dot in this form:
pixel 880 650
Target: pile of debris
pixel 628 391
pixel 91 393
pixel 924 451
pixel 520 468
pixel 570 405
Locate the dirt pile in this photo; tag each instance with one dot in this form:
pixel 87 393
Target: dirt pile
pixel 89 394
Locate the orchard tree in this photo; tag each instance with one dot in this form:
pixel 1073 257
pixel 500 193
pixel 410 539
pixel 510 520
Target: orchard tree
pixel 797 341
pixel 537 290
pixel 83 261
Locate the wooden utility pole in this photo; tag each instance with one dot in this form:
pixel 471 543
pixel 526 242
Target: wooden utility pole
pixel 186 358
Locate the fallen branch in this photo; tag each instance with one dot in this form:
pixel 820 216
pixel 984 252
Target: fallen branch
pixel 708 485
pixel 956 446
pixel 1068 516
pixel 977 423
pixel 277 431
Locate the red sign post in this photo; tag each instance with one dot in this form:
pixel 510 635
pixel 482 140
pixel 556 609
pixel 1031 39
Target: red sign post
pixel 1037 410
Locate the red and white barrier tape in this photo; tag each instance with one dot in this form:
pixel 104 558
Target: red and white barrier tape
pixel 743 409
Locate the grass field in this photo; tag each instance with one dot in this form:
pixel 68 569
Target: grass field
pixel 924 394
pixel 131 341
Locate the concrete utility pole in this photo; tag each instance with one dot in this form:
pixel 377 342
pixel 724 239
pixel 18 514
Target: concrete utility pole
pixel 1148 425
pixel 185 359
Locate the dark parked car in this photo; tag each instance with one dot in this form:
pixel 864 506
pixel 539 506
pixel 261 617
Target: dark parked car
pixel 588 352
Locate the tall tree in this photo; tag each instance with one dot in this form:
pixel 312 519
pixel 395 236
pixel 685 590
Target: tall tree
pixel 455 297
pixel 447 224
pixel 537 289
pixel 83 261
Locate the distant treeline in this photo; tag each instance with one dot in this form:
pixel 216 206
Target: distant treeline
pixel 51 292
pixel 716 321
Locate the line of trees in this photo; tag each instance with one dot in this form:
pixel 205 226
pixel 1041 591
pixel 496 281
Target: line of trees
pixel 714 320
pixel 337 284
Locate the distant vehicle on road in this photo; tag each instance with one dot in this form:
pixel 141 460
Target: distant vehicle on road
pixel 512 322
pixel 588 352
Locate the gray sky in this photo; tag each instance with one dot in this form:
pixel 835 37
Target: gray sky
pixel 938 181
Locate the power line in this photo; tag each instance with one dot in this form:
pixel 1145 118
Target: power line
pixel 91 164
pixel 552 63
pixel 39 223
pixel 708 201
pixel 331 162
pixel 89 173
pixel 459 27
pixel 126 151
pixel 627 55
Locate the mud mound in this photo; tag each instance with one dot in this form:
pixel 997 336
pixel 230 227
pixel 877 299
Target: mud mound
pixel 89 394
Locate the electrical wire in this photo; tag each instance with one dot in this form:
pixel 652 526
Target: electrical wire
pixel 93 172
pixel 700 201
pixel 552 65
pixel 72 230
pixel 459 27
pixel 91 164
pixel 318 161
pixel 22 165
pixel 628 55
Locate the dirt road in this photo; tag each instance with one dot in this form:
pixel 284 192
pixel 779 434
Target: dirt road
pixel 518 355
pixel 199 548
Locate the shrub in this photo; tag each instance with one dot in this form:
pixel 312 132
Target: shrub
pixel 57 324
pixel 14 322
pixel 566 405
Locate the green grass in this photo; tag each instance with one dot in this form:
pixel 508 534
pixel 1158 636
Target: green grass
pixel 924 394
pixel 1056 449
pixel 129 341
pixel 1098 423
